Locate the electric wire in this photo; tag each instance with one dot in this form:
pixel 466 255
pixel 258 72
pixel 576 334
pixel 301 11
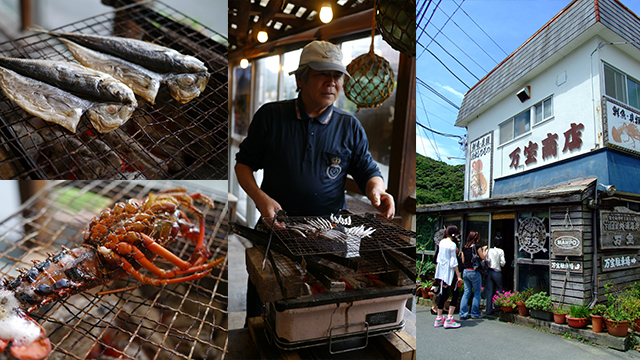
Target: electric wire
pixel 422 12
pixel 421 82
pixel 434 144
pixel 461 50
pixel 453 57
pixel 446 67
pixel 481 29
pixel 469 36
pixel 442 27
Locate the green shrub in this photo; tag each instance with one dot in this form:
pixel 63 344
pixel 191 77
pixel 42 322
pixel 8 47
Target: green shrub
pixel 578 311
pixel 539 301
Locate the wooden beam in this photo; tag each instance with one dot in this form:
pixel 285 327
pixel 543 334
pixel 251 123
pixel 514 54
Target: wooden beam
pixel 25 14
pixel 402 163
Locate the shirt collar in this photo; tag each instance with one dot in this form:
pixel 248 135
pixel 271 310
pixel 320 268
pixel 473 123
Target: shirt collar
pixel 324 118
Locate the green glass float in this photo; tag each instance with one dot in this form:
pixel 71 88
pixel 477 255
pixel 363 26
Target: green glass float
pixel 396 21
pixel 371 82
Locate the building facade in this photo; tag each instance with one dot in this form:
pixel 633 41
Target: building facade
pixel 550 129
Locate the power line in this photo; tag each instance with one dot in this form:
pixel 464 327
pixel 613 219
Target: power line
pixel 434 144
pixel 442 27
pixel 462 138
pixel 481 29
pixel 446 67
pixel 422 12
pixel 453 57
pixel 461 50
pixel 469 36
pixel 421 82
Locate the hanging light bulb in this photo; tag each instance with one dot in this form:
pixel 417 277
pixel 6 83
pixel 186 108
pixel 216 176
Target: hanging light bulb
pixel 263 36
pixel 244 63
pixel 326 14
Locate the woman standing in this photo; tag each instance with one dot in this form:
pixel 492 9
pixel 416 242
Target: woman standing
pixel 494 279
pixel 447 267
pixel 472 278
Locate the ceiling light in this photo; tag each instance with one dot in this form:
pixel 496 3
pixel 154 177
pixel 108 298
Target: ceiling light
pixel 244 63
pixel 263 36
pixel 326 14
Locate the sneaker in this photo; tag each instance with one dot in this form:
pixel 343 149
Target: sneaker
pixel 451 324
pixel 464 317
pixel 477 317
pixel 439 322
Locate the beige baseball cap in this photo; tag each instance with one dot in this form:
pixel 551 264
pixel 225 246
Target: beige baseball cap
pixel 321 56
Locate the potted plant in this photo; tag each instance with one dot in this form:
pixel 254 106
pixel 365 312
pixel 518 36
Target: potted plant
pixel 521 299
pixel 631 305
pixel 577 316
pixel 597 321
pixel 560 314
pixel 423 289
pixel 540 305
pixel 616 316
pixel 506 300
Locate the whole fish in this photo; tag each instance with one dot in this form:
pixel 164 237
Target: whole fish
pixel 73 78
pixel 61 107
pixel 152 56
pixel 144 82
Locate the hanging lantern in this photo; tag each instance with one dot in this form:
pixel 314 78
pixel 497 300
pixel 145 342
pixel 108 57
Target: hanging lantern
pixel 396 21
pixel 371 81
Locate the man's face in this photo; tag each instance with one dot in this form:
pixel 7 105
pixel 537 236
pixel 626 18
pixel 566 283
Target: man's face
pixel 321 89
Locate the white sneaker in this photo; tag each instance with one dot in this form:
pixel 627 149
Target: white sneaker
pixel 439 322
pixel 451 324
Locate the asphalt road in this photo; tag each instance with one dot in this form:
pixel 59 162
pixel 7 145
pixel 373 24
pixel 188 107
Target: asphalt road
pixel 495 340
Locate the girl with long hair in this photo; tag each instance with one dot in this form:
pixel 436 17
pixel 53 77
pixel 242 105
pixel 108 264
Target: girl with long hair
pixel 449 275
pixel 472 278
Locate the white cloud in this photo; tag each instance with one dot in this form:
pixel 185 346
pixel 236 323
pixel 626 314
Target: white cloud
pixel 424 147
pixel 453 91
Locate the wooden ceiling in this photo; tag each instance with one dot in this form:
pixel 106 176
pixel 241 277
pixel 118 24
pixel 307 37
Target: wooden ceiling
pixel 281 19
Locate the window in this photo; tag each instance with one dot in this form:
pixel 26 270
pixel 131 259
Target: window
pixel 521 123
pixel 621 87
pixel 289 64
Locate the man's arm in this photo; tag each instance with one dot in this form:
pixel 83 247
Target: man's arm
pixel 266 205
pixel 379 198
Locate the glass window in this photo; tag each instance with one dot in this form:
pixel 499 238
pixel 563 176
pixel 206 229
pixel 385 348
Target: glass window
pixel 521 123
pixel 241 98
pixel 634 93
pixel 480 224
pixel 543 110
pixel 289 63
pixel 614 83
pixel 533 277
pixel 548 108
pixel 544 217
pixel 506 131
pixel 266 86
pixel 538 113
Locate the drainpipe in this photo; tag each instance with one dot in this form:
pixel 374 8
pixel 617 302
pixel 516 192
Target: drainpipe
pixel 594 231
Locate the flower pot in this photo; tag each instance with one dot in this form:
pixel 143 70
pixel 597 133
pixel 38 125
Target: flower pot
pixel 617 328
pixel 559 318
pixel 522 309
pixel 542 315
pixel 507 309
pixel 597 323
pixel 577 322
pixel 636 325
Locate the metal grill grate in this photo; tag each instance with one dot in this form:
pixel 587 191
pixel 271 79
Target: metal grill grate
pixel 167 140
pixel 387 235
pixel 180 321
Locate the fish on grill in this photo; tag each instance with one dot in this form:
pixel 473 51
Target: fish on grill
pixel 61 107
pixel 185 75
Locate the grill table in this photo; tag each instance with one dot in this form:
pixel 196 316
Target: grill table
pixel 166 140
pixel 178 321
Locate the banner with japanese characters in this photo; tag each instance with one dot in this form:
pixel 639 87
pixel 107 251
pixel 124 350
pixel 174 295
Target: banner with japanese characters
pixel 480 155
pixel 622 126
pixel 620 262
pixel 619 230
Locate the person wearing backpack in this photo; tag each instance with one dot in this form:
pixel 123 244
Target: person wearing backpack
pixel 449 275
pixel 496 259
pixel 472 255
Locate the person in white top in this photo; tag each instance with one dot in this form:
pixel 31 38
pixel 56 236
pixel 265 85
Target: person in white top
pixel 447 266
pixel 495 255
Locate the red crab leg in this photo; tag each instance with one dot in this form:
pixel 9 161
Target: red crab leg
pixel 128 249
pixel 37 350
pixel 159 250
pixel 126 266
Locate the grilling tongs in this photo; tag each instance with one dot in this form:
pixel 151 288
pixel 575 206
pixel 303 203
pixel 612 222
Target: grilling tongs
pixel 280 216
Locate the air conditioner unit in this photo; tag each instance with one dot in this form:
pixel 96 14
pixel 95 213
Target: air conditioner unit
pixel 524 94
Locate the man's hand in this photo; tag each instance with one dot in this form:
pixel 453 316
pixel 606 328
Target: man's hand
pixel 266 205
pixel 379 198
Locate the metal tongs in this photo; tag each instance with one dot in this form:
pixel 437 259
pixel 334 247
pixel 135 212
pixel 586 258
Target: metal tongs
pixel 281 216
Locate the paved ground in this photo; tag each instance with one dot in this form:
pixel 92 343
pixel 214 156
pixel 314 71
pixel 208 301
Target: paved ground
pixel 493 339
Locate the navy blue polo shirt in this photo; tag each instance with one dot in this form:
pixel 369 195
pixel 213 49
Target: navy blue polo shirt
pixel 306 160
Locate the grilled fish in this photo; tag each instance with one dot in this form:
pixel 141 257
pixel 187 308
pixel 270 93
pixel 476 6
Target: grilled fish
pixel 61 107
pixel 153 57
pixel 144 82
pixel 73 78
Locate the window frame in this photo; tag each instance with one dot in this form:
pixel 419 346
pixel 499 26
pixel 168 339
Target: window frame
pixel 627 78
pixel 532 121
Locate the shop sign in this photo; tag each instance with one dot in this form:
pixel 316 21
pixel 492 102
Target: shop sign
pixel 572 266
pixel 480 156
pixel 622 126
pixel 619 230
pixel 620 262
pixel 532 235
pixel 566 242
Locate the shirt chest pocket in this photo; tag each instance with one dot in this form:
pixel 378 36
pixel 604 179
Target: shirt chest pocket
pixel 336 164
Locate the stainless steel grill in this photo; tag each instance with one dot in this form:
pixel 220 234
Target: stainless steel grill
pixel 167 140
pixel 181 321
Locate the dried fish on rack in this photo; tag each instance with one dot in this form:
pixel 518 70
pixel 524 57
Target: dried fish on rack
pixel 185 75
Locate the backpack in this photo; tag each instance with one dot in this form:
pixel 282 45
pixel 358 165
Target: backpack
pixel 482 266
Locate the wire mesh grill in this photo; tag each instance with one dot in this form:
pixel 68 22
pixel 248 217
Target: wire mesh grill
pixel 178 321
pixel 162 141
pixel 387 235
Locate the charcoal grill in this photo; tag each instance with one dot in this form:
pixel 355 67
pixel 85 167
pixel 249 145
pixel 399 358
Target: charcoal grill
pixel 181 321
pixel 163 141
pixel 316 307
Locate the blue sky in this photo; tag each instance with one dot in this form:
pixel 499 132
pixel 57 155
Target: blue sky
pixel 507 24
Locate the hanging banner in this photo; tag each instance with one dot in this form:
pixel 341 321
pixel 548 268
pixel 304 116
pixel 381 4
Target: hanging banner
pixel 480 156
pixel 622 126
pixel 619 230
pixel 566 242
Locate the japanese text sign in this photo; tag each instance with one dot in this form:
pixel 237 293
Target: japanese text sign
pixel 619 230
pixel 480 155
pixel 572 266
pixel 620 262
pixel 622 126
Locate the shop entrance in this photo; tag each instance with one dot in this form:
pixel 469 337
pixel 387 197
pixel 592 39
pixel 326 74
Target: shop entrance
pixel 502 224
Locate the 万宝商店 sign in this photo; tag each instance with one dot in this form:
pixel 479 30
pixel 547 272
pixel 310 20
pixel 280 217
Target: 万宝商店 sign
pixel 619 230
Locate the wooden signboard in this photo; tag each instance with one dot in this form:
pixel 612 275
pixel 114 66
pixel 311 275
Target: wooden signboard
pixel 619 230
pixel 566 242
pixel 573 266
pixel 620 262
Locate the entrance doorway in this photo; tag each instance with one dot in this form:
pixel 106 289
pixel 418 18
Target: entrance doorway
pixel 502 225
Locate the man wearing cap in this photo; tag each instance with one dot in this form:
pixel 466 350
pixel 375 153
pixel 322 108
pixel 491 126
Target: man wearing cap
pixel 306 146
